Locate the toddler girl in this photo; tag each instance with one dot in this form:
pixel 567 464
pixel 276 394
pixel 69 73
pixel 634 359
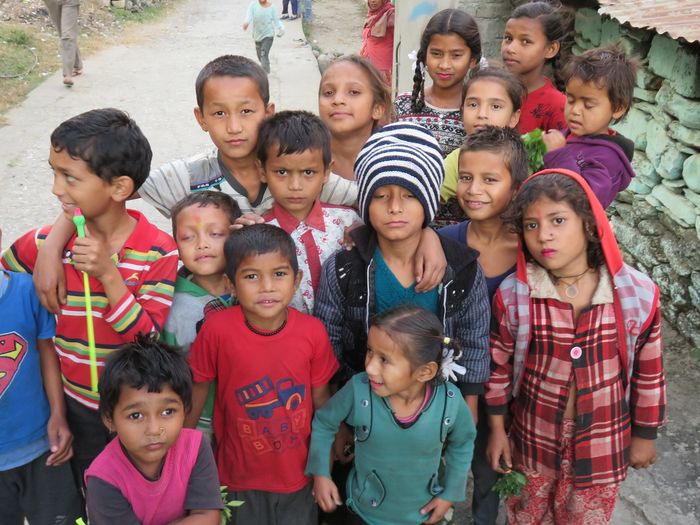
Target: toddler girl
pixel 262 15
pixel 378 36
pixel 576 349
pixel 537 34
pixel 401 407
pixel 493 97
pixel 449 48
pixel 154 472
pixel 353 101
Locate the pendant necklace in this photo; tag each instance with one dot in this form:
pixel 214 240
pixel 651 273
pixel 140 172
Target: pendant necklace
pixel 571 290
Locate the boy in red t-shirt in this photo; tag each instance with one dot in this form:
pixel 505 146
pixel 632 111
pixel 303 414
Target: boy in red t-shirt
pixel 272 365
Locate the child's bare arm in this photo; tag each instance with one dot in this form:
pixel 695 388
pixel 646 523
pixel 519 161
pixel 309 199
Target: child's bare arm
pixel 642 452
pixel 60 436
pixel 320 395
pixel 200 391
pixel 430 261
pixel 49 276
pixel 326 493
pixel 200 517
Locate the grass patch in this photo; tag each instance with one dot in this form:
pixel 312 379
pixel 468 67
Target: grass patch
pixel 147 14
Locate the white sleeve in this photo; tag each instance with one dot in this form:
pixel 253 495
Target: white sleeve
pixel 340 191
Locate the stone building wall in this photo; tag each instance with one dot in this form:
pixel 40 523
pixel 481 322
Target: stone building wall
pixel 657 219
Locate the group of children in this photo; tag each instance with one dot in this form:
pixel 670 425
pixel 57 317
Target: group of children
pixel 317 322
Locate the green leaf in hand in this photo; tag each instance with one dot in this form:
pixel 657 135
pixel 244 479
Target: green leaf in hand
pixel 510 484
pixel 536 149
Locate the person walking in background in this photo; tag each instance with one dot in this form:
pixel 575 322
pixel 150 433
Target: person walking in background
pixel 285 10
pixel 64 16
pixel 263 17
pixel 378 36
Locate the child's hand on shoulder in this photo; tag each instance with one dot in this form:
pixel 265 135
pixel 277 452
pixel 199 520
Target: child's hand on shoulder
pixel 247 219
pixel 438 507
pixel 326 493
pixel 554 139
pixel 642 452
pixel 91 255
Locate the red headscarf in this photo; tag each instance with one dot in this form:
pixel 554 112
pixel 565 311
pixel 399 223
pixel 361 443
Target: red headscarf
pixel 379 19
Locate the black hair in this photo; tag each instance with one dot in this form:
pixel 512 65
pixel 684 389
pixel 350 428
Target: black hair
pixel 234 66
pixel 381 91
pixel 510 82
pixel 147 362
pixel 108 141
pixel 418 332
pixel 557 187
pixel 446 21
pixel 556 22
pixel 505 141
pixel 201 199
pixel 258 239
pixel 609 68
pixel 294 132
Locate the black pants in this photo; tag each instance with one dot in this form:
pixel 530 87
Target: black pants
pixel 485 501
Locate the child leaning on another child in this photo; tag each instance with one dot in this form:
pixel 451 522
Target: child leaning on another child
pixel 599 88
pixel 154 472
pixel 265 399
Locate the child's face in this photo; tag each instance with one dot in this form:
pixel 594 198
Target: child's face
pixel 448 60
pixel 555 237
pixel 147 423
pixel 296 179
pixel 77 186
pixel 232 114
pixel 201 232
pixel 484 187
pixel 388 369
pixel 346 100
pixel 395 213
pixel 525 47
pixel 588 110
pixel 264 285
pixel 487 104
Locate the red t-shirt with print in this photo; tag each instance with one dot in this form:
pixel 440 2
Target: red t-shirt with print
pixel 544 109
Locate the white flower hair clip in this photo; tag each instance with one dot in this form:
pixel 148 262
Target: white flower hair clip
pixel 449 368
pixel 413 57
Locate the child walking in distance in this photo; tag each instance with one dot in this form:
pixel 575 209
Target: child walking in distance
pixel 449 48
pixel 577 360
pixel 35 441
pixel 99 159
pixel 354 102
pixel 201 224
pixel 399 174
pixel 262 15
pixel 154 472
pixel 294 148
pixel 493 97
pixel 378 36
pixel 404 414
pixel 599 87
pixel 492 166
pixel 537 34
pixel 270 378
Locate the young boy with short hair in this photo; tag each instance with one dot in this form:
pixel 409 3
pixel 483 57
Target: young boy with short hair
pixel 599 88
pixel 233 99
pixel 294 150
pixel 270 377
pixel 99 159
pixel 154 472
pixel 35 442
pixel 399 172
pixel 200 224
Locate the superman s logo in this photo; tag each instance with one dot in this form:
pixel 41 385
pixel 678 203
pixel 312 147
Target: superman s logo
pixel 12 350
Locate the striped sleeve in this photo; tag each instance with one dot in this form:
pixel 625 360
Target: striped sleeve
pixel 648 394
pixel 340 191
pixel 499 385
pixel 21 256
pixel 148 309
pixel 166 185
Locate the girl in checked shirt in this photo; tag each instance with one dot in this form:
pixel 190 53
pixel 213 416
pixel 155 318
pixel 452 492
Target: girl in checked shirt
pixel 577 364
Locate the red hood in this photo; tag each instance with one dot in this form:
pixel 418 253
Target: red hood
pixel 611 251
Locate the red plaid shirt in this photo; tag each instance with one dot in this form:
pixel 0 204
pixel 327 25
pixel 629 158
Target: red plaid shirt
pixel 585 351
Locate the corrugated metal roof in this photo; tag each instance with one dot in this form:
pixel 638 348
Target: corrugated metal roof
pixel 678 18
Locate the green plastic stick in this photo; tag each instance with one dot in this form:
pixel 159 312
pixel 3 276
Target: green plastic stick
pixel 79 221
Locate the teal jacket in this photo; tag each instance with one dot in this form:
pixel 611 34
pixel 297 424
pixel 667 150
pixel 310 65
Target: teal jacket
pixel 396 469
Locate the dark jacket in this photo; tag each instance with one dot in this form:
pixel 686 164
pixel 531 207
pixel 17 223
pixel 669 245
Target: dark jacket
pixel 602 160
pixel 345 302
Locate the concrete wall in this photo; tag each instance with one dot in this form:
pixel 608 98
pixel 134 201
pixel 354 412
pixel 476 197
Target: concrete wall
pixel 657 219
